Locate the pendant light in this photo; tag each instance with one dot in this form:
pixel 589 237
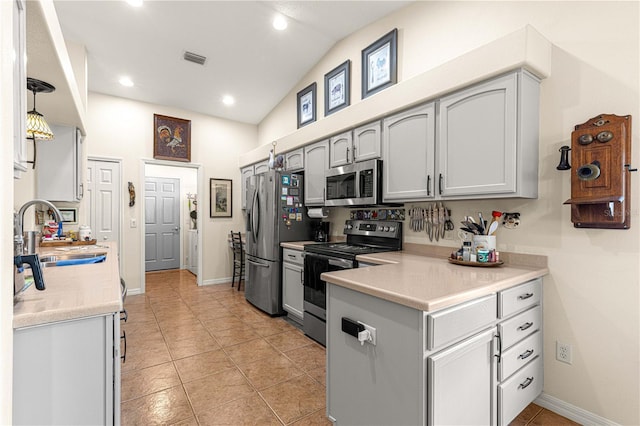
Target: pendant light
pixel 37 127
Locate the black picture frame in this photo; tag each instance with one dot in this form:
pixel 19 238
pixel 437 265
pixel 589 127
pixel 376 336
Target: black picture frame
pixel 220 197
pixel 337 88
pixel 306 105
pixel 380 64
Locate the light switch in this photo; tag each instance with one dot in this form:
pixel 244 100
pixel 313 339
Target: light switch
pixel 133 223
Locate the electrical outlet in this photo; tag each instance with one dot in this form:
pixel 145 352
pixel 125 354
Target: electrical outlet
pixel 563 352
pixel 372 331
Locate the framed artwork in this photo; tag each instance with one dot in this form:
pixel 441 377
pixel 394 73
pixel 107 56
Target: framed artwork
pixel 69 216
pixel 220 196
pixel 171 138
pixel 307 105
pixel 380 64
pixel 337 87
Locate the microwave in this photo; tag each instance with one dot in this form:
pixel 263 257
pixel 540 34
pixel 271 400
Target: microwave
pixel 355 184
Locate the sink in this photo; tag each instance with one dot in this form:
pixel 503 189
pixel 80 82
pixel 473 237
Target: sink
pixel 72 259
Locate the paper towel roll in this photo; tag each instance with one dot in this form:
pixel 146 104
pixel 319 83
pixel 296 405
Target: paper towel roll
pixel 317 213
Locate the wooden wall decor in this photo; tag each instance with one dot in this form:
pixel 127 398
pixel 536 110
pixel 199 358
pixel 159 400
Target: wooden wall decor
pixel 600 178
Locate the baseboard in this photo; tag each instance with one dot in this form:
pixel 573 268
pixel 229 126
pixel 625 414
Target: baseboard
pixel 571 412
pixel 226 280
pixel 133 291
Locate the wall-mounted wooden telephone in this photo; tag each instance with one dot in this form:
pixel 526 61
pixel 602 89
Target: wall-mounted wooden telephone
pixel 600 180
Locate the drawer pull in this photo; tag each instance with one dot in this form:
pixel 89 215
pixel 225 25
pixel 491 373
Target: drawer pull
pixel 526 383
pixel 525 326
pixel 526 354
pixel 293 256
pixel 525 296
pixel 124 355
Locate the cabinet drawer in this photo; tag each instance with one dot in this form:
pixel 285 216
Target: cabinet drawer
pixel 292 256
pixel 522 325
pixel 519 298
pixel 519 391
pixel 519 355
pixel 452 324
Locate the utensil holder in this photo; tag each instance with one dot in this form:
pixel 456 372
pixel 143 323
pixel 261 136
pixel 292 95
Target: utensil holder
pixel 486 242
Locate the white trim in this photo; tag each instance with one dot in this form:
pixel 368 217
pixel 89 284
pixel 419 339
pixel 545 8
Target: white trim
pixel 200 180
pixel 217 281
pixel 571 412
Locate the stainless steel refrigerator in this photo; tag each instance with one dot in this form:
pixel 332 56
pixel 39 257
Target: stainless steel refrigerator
pixel 275 214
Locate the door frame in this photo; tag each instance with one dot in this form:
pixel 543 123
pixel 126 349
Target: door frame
pixel 120 161
pixel 199 209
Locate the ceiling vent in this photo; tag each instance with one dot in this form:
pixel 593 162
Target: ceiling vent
pixel 195 58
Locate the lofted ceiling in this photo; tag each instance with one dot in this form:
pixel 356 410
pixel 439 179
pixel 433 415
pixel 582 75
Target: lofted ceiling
pixel 246 57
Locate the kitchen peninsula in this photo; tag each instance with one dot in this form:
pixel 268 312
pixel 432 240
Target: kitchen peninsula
pixel 67 343
pixel 434 342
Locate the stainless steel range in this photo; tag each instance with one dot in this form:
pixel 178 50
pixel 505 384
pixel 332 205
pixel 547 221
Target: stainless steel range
pixel 363 237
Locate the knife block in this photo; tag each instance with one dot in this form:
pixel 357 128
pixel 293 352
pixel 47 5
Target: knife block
pixel 600 181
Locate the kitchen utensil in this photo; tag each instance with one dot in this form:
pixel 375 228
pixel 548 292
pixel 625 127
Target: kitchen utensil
pixel 492 228
pixel 482 223
pixel 448 224
pixel 441 219
pixel 430 223
pixel 436 221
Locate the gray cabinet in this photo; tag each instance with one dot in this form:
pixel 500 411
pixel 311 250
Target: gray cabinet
pixel 19 56
pixel 59 169
pixel 292 279
pixel 261 167
pixel 488 139
pixel 244 174
pixel 294 160
pixel 408 147
pixel 367 141
pixel 68 372
pixel 341 149
pixel 316 162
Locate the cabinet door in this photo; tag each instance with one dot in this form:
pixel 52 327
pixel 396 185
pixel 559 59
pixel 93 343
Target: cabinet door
pixel 294 160
pixel 292 290
pixel 460 382
pixel 244 174
pixel 19 88
pixel 58 169
pixel 261 167
pixel 367 141
pixel 316 162
pixel 478 138
pixel 408 154
pixel 340 149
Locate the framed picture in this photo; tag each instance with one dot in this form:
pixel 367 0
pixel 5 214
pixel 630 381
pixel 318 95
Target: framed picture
pixel 337 87
pixel 307 105
pixel 171 138
pixel 69 216
pixel 220 196
pixel 380 64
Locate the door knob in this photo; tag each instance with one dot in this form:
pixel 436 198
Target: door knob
pixel 104 238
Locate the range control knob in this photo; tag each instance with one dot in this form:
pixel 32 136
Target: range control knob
pixel 386 229
pixel 392 229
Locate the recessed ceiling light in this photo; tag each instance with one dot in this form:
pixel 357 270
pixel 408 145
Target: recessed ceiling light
pixel 135 3
pixel 280 23
pixel 126 81
pixel 228 100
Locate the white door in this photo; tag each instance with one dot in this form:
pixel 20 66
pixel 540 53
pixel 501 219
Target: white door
pixel 103 199
pixel 162 223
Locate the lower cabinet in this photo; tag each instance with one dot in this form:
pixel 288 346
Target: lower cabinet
pixel 192 251
pixel 292 288
pixel 479 362
pixel 68 372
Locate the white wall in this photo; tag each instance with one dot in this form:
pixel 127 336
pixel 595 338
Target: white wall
pixel 592 298
pixel 123 128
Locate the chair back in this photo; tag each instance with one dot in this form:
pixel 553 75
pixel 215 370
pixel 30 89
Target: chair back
pixel 236 242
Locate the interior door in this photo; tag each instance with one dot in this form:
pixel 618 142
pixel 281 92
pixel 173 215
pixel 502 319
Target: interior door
pixel 162 223
pixel 103 196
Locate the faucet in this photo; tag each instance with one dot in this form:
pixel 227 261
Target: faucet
pixel 18 239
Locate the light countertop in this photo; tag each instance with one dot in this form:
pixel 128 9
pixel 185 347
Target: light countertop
pixel 72 291
pixel 296 245
pixel 428 282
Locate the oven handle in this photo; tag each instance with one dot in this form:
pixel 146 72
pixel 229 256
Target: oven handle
pixel 341 263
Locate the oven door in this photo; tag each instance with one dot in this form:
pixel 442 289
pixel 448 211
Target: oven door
pixel 315 296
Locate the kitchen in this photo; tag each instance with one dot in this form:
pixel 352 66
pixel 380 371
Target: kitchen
pixel 580 306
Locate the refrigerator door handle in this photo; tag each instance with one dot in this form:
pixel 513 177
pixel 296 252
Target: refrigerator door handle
pixel 256 228
pixel 254 214
pixel 253 262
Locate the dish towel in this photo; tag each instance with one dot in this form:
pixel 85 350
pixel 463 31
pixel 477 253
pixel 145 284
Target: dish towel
pixel 90 260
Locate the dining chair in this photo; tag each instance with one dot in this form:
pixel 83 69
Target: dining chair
pixel 238 258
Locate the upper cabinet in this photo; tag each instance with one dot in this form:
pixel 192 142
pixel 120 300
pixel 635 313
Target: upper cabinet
pixel 316 162
pixel 59 176
pixel 408 147
pixel 19 88
pixel 363 143
pixel 261 167
pixel 488 139
pixel 245 172
pixel 294 160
